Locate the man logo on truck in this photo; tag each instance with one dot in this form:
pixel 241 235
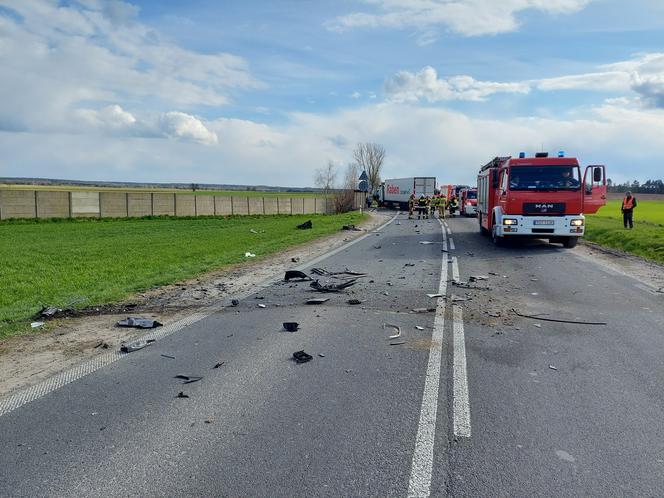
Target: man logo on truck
pixel 544 207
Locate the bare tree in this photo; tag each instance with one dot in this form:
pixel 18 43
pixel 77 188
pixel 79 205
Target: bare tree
pixel 325 177
pixel 370 157
pixel 344 196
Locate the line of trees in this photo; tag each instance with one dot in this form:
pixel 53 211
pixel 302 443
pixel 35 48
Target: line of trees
pixel 636 187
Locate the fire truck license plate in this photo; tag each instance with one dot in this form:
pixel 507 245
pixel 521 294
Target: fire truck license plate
pixel 543 222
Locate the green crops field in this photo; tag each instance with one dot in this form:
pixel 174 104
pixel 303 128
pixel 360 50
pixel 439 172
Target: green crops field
pixel 646 239
pixel 102 261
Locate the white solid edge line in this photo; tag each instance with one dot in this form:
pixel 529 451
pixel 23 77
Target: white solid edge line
pixel 55 382
pixel 455 269
pixel 460 403
pixel 449 231
pixel 452 246
pixel 421 469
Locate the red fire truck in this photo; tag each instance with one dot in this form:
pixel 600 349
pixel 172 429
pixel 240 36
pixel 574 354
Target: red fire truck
pixel 469 202
pixel 540 197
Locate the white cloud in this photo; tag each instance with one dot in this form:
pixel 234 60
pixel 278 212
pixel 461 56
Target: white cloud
pixel 186 127
pixel 425 84
pixel 467 17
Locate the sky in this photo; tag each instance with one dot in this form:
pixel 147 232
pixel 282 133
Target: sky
pixel 268 91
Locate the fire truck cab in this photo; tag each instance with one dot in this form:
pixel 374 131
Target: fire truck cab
pixel 469 202
pixel 539 197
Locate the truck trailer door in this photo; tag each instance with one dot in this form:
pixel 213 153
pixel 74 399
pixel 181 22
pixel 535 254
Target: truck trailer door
pixel 594 188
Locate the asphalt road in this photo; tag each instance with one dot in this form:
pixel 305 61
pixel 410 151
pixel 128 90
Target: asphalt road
pixel 479 402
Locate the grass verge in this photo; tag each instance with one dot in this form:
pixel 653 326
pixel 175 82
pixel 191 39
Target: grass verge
pixel 102 261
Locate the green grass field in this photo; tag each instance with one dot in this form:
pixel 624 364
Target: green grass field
pixel 56 262
pixel 646 239
pixel 237 193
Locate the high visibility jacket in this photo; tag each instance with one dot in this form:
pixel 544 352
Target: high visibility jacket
pixel 628 204
pixel 422 202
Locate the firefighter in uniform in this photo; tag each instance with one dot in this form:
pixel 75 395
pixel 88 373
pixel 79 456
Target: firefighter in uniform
pixel 433 206
pixel 453 204
pixel 411 205
pixel 421 207
pixel 442 202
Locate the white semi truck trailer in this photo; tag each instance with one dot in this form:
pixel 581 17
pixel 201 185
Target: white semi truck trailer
pixel 395 192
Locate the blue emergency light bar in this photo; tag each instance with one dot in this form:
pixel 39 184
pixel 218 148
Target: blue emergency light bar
pixel 561 153
pixel 522 155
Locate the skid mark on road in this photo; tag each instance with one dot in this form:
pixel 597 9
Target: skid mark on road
pixel 422 464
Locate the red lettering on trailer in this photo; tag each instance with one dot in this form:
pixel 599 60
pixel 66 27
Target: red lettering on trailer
pixel 393 189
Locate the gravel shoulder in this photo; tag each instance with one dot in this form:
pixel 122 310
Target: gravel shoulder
pixel 28 359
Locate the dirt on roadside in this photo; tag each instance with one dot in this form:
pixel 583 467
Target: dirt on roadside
pixel 28 359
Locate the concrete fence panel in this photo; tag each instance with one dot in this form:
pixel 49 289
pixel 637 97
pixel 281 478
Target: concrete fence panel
pixel 52 204
pixel 185 205
pixel 223 205
pixel 256 205
pixel 297 204
pixel 319 205
pixel 270 205
pixel 18 204
pixel 85 204
pixel 139 204
pixel 113 204
pixel 163 204
pixel 309 205
pixel 204 205
pixel 284 205
pixel 240 205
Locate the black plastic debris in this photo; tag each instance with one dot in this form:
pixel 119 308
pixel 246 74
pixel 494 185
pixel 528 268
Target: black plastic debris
pixel 139 323
pixel 296 275
pixel 235 302
pixel 217 365
pixel 181 394
pixel 291 326
pixel 351 228
pixel 302 357
pixel 135 346
pixel 295 260
pixel 323 271
pixel 188 379
pixel 306 225
pixel 354 301
pixel 102 344
pixel 333 286
pixel 170 357
pixel 49 312
pixel 317 300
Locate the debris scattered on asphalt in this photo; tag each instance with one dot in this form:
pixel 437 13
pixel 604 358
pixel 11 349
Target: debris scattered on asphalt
pixel 234 302
pixel 537 325
pixel 261 305
pixel 493 273
pixel 332 286
pixel 295 260
pixel 138 323
pixel 317 300
pixel 354 301
pixel 306 225
pixel 389 283
pixel 135 346
pixel 352 228
pixel 167 356
pixel 249 255
pixel 188 379
pixel 397 343
pixel 428 242
pixel 102 344
pixel 209 420
pixel 302 357
pixel 474 278
pixel 291 326
pixel 533 280
pixel 434 295
pixel 377 246
pixel 323 271
pixel 409 264
pixel 386 293
pixel 552 367
pixel 36 325
pixel 494 314
pixel 419 327
pixel 217 365
pixel 465 285
pixel 395 327
pixel 182 395
pixel 296 275
pixel 423 310
pixel 458 299
pixel 557 320
pixel 321 355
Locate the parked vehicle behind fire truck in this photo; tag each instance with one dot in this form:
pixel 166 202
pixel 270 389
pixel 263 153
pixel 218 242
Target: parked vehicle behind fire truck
pixel 469 202
pixel 538 197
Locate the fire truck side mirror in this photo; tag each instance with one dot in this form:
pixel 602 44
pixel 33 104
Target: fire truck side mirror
pixel 597 175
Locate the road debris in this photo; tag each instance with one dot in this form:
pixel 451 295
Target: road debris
pixel 296 275
pixel 135 346
pixel 50 312
pixel 302 357
pixel 409 264
pixel 537 325
pixel 188 379
pixel 557 320
pixel 427 242
pixel 332 286
pixel 217 365
pixel 494 314
pixel 324 272
pixel 422 310
pixel 552 367
pixel 458 299
pixel 138 323
pixel 36 325
pixel 261 305
pixel 396 327
pixel 354 301
pixel 307 225
pixel 321 355
pixel 234 302
pixel 167 356
pixel 417 327
pixel 295 260
pixel 351 228
pixel 249 255
pixel 386 293
pixel 434 295
pixel 317 300
pixel 291 326
pixel 474 278
pixel 102 344
pixel 181 394
pixel 377 246
pixel 397 343
pixel 465 285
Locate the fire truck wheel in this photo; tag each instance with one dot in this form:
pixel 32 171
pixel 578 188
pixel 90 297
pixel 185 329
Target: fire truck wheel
pixel 570 242
pixel 483 231
pixel 497 241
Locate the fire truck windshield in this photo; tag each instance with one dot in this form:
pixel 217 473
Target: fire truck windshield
pixel 471 194
pixel 544 178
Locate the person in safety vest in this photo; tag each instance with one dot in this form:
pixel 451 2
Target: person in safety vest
pixel 442 203
pixel 627 208
pixel 411 205
pixel 421 207
pixel 433 206
pixel 453 205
